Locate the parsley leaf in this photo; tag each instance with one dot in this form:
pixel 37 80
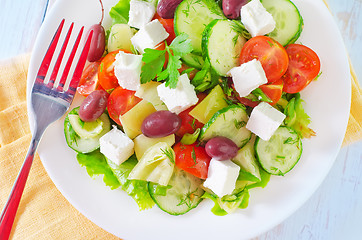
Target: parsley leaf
pixel 154 60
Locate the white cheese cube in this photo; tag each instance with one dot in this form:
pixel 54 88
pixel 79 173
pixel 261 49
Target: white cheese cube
pixel 265 120
pixel 116 146
pixel 180 98
pixel 127 69
pixel 222 176
pixel 247 77
pixel 140 13
pixel 256 19
pixel 149 36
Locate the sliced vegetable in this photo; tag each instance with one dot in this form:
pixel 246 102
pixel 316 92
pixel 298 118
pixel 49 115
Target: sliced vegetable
pixel 226 56
pixel 212 103
pixel 182 194
pixel 228 122
pixel 272 55
pixel 82 144
pixel 142 143
pixel 156 165
pixel 120 37
pixel 304 66
pixel 192 159
pixel 289 22
pixel 280 154
pixel 191 17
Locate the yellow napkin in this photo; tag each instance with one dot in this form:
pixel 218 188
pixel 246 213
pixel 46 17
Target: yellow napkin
pixel 43 212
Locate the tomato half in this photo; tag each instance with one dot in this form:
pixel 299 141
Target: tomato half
pixel 269 52
pixel 89 80
pixel 120 101
pixel 304 66
pixel 192 159
pixel 106 76
pixel 188 123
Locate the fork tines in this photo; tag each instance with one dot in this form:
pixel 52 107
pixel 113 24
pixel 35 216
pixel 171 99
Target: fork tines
pixel 59 91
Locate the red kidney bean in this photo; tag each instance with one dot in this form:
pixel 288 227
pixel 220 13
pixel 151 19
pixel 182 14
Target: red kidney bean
pixel 93 106
pixel 231 8
pixel 166 8
pixel 98 43
pixel 160 124
pixel 221 148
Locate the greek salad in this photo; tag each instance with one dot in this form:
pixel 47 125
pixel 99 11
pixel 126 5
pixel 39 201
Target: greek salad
pixel 187 100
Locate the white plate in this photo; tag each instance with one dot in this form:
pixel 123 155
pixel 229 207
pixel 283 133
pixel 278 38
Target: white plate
pixel 327 103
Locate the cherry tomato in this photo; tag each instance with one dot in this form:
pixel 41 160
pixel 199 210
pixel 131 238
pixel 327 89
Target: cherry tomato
pixel 106 76
pixel 269 52
pixel 89 80
pixel 273 90
pixel 188 123
pixel 304 66
pixel 192 159
pixel 169 27
pixel 120 101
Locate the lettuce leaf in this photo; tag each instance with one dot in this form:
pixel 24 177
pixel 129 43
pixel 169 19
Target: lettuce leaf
pixel 120 12
pixel 137 189
pixel 96 164
pixel 296 118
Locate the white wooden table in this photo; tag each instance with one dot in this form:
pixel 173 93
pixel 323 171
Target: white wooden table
pixel 335 209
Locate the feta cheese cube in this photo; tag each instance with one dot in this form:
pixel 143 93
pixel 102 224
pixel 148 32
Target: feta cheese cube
pixel 116 146
pixel 140 13
pixel 256 19
pixel 222 176
pixel 180 98
pixel 127 69
pixel 265 120
pixel 247 77
pixel 149 36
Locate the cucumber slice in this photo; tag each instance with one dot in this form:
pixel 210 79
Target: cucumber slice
pixel 182 194
pixel 193 60
pixel 280 154
pixel 289 22
pixel 228 122
pixel 191 17
pixel 84 145
pixel 225 56
pixel 156 165
pixel 85 129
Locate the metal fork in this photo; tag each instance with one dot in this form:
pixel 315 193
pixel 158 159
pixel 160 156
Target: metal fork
pixel 48 104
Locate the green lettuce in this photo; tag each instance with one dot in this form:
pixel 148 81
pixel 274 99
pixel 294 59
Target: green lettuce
pixel 137 189
pixel 120 12
pixel 96 164
pixel 296 118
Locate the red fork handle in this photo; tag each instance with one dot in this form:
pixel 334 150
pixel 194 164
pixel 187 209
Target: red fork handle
pixel 11 207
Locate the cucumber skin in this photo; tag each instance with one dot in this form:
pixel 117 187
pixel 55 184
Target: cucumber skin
pixel 262 165
pixel 300 28
pixel 68 128
pixel 210 4
pixel 205 43
pixel 212 120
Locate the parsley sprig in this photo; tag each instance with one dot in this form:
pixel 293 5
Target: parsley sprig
pixel 155 59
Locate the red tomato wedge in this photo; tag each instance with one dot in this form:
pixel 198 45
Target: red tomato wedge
pixel 270 53
pixel 273 90
pixel 304 66
pixel 120 101
pixel 192 159
pixel 106 76
pixel 89 80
